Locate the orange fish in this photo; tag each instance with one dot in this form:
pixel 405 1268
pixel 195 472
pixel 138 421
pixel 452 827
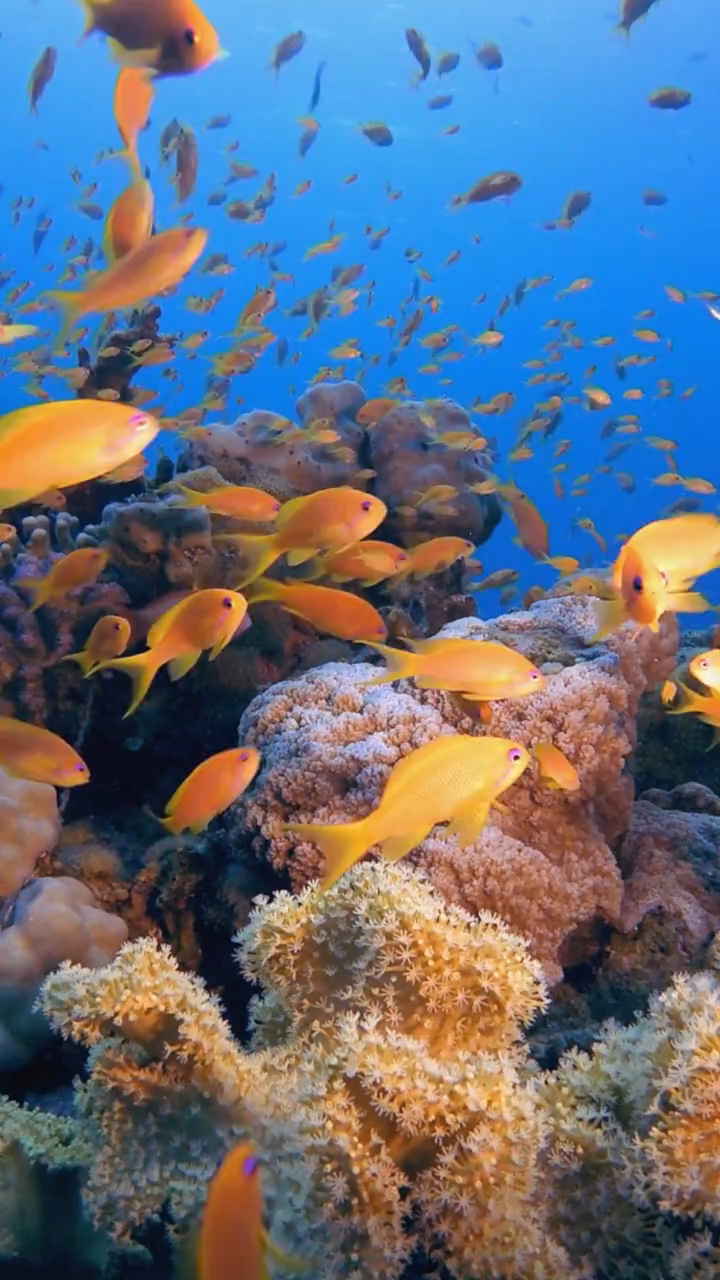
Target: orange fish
pixel 434 556
pixel 133 100
pixel 129 222
pixel 66 442
pixel 170 37
pixel 328 520
pixel 481 670
pixel 232 1232
pixel 555 769
pixel 108 639
pixel 337 613
pixel 238 500
pixel 27 751
pixel 156 266
pixel 210 789
pixel 368 562
pixel 205 619
pixel 76 569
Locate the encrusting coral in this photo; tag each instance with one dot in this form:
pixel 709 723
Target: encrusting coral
pixel 50 920
pixel 387 1084
pixel 29 827
pixel 328 746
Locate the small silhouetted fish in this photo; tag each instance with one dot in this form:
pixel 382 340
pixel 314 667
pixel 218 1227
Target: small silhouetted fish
pixel 419 50
pixel 168 138
pixel 186 163
pixel 42 74
pixel 317 86
pixel 92 211
pixel 576 204
pixel 654 198
pixel 522 21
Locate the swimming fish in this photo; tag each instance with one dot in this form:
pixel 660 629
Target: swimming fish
pixel 108 639
pixel 239 500
pixel 286 49
pixel 77 569
pixel 327 520
pixel 42 74
pixel 481 670
pixel 555 769
pixel 131 105
pixel 65 442
pixel 27 751
pixel 338 613
pixel 705 706
pixel 368 562
pixel 655 568
pixel 455 779
pixel 206 619
pixel 155 266
pixel 129 222
pixel 705 667
pixel 434 556
pixel 232 1232
pixel 15 332
pixel 210 789
pixel 630 11
pixel 170 37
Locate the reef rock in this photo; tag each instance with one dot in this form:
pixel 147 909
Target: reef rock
pixel 547 864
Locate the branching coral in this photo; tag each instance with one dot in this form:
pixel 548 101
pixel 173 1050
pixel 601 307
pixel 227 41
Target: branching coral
pixel 546 866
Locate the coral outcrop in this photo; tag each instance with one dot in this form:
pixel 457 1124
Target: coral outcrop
pixel 547 864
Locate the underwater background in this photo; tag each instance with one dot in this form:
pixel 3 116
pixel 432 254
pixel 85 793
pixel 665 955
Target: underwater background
pixel 232 1047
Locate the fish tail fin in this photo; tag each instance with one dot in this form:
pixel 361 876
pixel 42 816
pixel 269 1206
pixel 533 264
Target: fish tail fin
pixel 67 304
pixel 690 700
pixel 90 20
pixel 142 669
pixel 401 665
pixel 83 659
pixel 37 587
pixel 258 550
pixel 610 615
pixel 342 844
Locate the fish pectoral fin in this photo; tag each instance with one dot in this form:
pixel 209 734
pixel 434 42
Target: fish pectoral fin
pixel 690 602
pixel 179 667
pixel 286 1260
pixel 610 615
pixel 300 555
pixel 498 804
pixel 143 58
pixel 397 847
pixel 470 819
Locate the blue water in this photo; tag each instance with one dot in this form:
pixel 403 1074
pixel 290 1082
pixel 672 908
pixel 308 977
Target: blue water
pixel 568 110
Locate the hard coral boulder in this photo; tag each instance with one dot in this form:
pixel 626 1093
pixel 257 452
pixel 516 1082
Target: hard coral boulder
pixel 29 827
pixel 405 451
pixel 547 864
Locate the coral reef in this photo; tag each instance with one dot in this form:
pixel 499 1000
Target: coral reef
pixel 48 921
pixel 328 745
pixel 634 1126
pixel 404 448
pixel 379 1005
pixel 29 826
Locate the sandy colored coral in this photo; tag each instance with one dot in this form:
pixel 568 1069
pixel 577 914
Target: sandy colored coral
pixel 635 1126
pixel 547 866
pixel 43 1159
pixel 29 826
pixel 49 921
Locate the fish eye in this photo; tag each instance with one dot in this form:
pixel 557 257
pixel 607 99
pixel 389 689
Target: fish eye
pixel 250 1165
pixel 514 754
pixel 243 755
pixel 81 768
pixel 637 583
pixel 190 37
pixel 366 506
pixel 533 675
pixel 227 603
pixel 704 664
pixel 116 626
pixel 138 420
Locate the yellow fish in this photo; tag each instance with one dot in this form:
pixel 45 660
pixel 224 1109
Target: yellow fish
pixel 328 520
pixel 338 613
pixel 210 789
pixel 455 779
pixel 108 639
pixel 27 751
pixel 76 569
pixel 481 670
pixel 65 442
pixel 203 620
